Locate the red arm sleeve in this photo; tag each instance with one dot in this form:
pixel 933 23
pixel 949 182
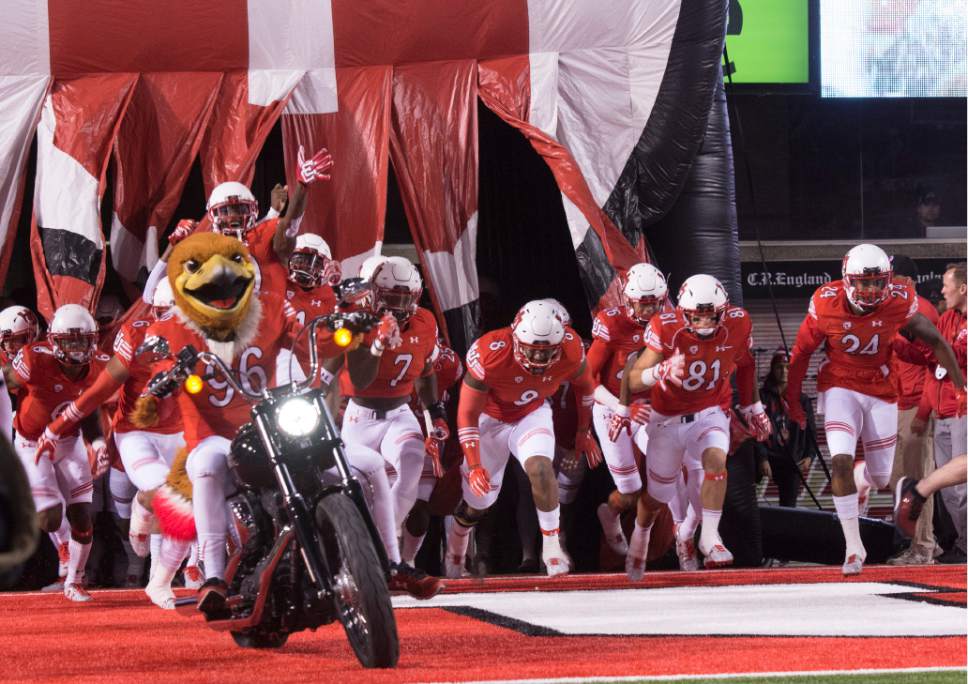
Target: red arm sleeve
pixel 808 339
pixel 469 410
pixel 93 397
pixel 745 378
pixel 597 357
pixel 583 385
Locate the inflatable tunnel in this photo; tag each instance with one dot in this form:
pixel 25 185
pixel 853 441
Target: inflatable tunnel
pixel 622 102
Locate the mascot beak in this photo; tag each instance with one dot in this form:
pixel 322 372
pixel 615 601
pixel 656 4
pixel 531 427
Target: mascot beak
pixel 220 283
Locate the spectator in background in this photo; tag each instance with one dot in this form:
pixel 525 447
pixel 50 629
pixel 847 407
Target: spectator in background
pixel 948 404
pixel 931 290
pixel 790 450
pixel 927 211
pixel 914 455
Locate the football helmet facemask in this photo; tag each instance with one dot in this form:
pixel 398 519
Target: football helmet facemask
pixel 644 292
pixel 73 335
pixel 18 328
pixel 537 335
pixel 703 301
pixel 233 209
pixel 867 275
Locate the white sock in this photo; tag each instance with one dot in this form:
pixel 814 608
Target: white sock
pixel 63 533
pixel 141 519
pixel 687 529
pixel 211 550
pixel 410 546
pixel 172 554
pixel 639 543
pixel 549 521
pixel 75 566
pixel 709 536
pixel 848 512
pixel 211 521
pixel 458 537
pixel 193 554
pixel 155 546
pixel 136 564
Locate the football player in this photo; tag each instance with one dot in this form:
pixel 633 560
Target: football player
pixel 396 360
pixel 18 328
pixel 313 273
pixel 503 408
pixel 48 375
pixel 234 211
pixel 689 357
pixel 857 318
pixel 616 333
pixel 146 454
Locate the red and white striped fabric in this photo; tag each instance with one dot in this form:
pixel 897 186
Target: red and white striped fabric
pixel 164 83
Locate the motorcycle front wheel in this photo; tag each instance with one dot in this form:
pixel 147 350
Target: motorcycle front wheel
pixel 360 587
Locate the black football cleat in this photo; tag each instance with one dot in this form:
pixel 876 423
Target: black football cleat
pixel 413 581
pixel 907 506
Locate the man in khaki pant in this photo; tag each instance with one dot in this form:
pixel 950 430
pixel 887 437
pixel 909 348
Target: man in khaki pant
pixel 914 456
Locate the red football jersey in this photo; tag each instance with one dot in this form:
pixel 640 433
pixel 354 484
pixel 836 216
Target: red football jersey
pixel 308 304
pixel 709 362
pixel 126 343
pixel 858 346
pixel 271 274
pixel 217 409
pixel 513 391
pixel 620 336
pixel 46 390
pixel 953 328
pixel 401 366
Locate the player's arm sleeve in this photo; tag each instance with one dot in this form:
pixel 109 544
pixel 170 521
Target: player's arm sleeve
pixel 584 388
pixel 109 381
pixel 809 337
pixel 473 399
pixel 746 372
pixel 924 330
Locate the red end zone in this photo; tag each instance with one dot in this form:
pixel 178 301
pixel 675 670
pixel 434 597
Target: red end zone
pixel 118 637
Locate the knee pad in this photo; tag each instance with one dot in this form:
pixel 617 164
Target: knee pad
pixel 467 516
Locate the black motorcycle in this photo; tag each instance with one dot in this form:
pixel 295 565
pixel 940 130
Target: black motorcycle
pixel 310 553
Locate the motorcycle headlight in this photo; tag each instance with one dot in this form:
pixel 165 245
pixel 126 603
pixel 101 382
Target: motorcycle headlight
pixel 297 417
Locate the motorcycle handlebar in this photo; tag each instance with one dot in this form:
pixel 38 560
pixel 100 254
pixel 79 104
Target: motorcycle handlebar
pixel 164 383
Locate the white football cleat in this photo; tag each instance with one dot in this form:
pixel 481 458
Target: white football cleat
pixel 194 579
pixel 634 567
pixel 716 557
pixel 453 566
pixel 853 565
pixel 161 594
pixel 686 551
pixel 555 559
pixel 612 529
pixel 76 593
pixel 863 490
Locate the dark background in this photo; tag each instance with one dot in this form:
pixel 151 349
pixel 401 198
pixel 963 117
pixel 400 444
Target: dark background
pixel 806 168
